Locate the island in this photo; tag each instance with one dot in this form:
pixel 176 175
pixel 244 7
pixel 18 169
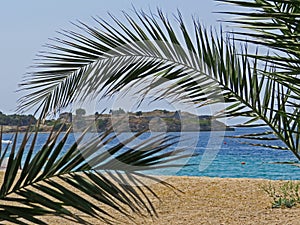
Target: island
pixel 156 121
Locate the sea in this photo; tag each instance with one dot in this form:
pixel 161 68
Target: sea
pixel 216 154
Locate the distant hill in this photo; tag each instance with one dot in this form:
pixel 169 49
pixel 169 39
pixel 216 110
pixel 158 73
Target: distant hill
pixel 156 121
pixel 16 119
pixel 9 123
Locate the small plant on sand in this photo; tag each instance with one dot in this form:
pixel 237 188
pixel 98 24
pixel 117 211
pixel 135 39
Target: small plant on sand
pixel 284 196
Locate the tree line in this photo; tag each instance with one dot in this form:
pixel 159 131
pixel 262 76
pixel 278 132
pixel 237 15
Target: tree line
pixel 17 120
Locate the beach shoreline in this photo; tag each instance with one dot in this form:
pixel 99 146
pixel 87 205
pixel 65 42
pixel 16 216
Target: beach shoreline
pixel 206 200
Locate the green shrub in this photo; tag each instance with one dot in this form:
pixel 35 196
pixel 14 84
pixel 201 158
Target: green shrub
pixel 284 196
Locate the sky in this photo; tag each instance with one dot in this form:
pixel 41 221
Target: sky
pixel 27 25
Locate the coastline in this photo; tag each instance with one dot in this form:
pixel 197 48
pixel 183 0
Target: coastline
pixel 206 200
pixel 48 130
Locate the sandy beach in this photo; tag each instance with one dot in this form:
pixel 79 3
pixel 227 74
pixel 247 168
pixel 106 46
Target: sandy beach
pixel 216 201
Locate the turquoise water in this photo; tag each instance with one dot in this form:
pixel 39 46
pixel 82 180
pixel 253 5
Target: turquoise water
pixel 238 160
pixel 227 157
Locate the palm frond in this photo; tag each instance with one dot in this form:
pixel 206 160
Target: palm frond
pixel 205 67
pixel 61 177
pixel 273 24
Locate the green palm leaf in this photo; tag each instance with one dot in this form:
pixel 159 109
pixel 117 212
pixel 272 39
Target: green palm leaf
pixel 272 24
pixel 205 67
pixel 58 178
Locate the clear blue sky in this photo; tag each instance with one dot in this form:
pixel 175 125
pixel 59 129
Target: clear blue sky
pixel 27 25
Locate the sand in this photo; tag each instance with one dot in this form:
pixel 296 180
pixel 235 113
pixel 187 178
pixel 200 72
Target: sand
pixel 212 201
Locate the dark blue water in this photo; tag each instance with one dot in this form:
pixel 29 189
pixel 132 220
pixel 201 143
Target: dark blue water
pixel 219 156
